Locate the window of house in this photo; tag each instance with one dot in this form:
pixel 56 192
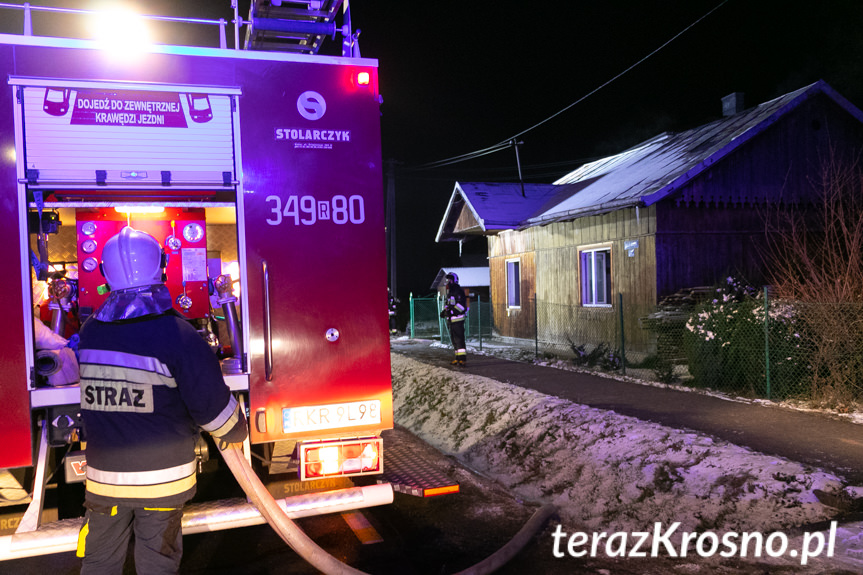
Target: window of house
pixel 596 277
pixel 513 283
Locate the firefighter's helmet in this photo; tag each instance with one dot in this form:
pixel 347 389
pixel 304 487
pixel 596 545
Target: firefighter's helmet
pixel 132 259
pixel 451 278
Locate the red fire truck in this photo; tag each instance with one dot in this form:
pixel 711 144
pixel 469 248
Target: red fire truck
pixel 259 170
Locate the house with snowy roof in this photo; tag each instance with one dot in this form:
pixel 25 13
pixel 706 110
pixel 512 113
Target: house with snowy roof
pixel 474 280
pixel 608 240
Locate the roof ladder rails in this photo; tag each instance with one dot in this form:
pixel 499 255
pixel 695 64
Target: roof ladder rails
pixel 299 26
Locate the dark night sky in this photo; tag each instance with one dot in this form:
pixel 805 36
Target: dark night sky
pixel 456 80
pixel 461 76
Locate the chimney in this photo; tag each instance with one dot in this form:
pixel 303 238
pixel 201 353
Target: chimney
pixel 732 104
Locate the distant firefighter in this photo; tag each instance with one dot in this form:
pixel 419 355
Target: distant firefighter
pixel 454 311
pixel 393 305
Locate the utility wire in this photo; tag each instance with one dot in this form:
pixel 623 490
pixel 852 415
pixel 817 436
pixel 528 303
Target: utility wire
pixel 463 157
pixel 507 143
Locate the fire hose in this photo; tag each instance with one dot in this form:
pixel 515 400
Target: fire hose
pixel 297 539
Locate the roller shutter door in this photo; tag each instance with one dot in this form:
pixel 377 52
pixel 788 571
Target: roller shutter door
pixel 86 134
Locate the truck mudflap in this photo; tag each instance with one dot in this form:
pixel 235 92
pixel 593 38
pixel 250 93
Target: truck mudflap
pixel 62 536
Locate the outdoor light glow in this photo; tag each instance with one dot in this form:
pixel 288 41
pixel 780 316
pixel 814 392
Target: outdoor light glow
pixel 121 32
pixel 233 269
pixel 363 78
pixel 9 154
pixel 139 209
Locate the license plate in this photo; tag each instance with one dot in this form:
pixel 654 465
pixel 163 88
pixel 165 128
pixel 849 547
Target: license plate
pixel 332 416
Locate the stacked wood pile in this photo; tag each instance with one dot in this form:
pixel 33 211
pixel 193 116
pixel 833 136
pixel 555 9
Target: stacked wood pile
pixel 669 320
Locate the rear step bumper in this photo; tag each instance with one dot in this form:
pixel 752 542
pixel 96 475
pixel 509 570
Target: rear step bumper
pixel 62 536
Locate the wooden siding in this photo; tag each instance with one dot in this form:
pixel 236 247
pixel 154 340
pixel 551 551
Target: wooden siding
pixel 702 246
pixel 715 226
pixel 511 322
pixel 466 222
pixel 509 242
pixel 556 271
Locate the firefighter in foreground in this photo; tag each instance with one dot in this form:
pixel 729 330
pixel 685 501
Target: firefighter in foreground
pixel 454 311
pixel 149 383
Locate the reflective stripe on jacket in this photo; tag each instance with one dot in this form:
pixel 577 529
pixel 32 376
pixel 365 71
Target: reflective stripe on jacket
pixel 455 303
pixel 148 385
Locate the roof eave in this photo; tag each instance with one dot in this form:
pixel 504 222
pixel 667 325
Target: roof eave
pixel 582 212
pixel 442 235
pixel 457 190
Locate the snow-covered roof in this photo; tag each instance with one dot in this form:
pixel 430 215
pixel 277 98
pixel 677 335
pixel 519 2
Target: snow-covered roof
pixel 497 206
pixel 639 176
pixel 469 277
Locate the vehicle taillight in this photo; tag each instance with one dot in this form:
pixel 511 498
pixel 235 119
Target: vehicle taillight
pixel 341 458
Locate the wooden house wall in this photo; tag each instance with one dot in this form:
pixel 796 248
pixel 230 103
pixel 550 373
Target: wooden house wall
pixel 466 221
pixel 714 227
pixel 705 245
pixel 510 322
pixel 555 277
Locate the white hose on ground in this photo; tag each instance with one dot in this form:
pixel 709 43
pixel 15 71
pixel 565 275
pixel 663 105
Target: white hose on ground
pixel 281 523
pixel 297 540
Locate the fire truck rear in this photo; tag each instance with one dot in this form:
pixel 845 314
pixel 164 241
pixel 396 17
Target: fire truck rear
pixel 260 174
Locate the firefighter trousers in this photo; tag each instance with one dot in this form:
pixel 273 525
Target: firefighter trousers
pixel 456 334
pixel 104 540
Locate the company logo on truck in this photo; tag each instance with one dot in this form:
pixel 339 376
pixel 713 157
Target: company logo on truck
pixel 311 105
pixel 304 135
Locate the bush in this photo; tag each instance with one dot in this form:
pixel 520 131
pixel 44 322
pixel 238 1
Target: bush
pixel 725 344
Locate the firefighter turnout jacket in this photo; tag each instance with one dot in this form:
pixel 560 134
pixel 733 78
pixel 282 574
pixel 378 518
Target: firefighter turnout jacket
pixel 148 385
pixel 455 306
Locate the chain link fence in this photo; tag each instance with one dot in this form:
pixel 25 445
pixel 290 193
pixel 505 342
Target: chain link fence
pixel 426 323
pixel 754 346
pixel 732 339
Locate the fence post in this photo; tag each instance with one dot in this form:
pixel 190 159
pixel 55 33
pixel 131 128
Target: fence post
pixel 479 318
pixel 441 322
pixel 622 336
pixel 413 326
pixel 466 325
pixel 767 340
pixel 535 326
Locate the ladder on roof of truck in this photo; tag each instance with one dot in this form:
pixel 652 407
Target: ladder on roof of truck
pixel 296 26
pixel 299 26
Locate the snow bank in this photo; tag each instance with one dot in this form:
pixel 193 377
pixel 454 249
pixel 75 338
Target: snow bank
pixel 603 470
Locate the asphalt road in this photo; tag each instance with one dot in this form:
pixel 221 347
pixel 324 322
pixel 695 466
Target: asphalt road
pixel 824 441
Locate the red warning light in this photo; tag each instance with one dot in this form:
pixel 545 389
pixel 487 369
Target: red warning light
pixel 363 78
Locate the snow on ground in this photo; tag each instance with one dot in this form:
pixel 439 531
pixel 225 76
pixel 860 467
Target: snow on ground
pixel 609 472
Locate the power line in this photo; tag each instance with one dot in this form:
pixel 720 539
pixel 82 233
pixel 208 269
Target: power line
pixel 503 144
pixel 462 158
